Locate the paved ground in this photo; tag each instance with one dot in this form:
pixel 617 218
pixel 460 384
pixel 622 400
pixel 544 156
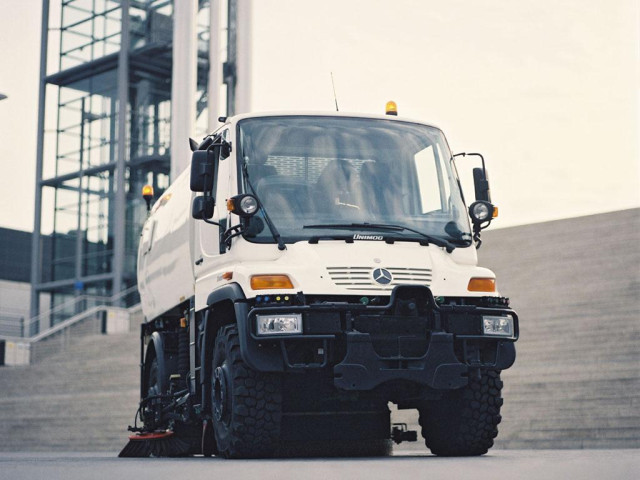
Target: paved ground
pixel 406 463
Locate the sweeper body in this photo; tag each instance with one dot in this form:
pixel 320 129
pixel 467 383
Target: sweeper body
pixel 303 273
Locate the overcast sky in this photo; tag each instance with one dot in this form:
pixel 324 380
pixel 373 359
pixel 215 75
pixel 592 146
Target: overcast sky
pixel 547 90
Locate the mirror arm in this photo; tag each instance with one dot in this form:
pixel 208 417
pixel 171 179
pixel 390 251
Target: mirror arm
pixel 476 237
pixel 209 194
pixel 477 228
pixel 464 154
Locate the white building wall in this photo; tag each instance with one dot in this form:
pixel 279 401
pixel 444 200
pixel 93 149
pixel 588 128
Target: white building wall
pixel 14 305
pixel 244 57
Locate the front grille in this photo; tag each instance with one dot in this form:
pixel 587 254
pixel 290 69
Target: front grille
pixel 360 278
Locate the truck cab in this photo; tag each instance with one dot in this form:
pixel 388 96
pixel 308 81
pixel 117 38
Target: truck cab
pixel 308 269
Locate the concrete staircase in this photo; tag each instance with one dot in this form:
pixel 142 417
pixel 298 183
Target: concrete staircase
pixel 576 382
pixel 576 285
pixel 80 399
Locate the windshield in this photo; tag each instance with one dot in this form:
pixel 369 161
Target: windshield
pixel 318 175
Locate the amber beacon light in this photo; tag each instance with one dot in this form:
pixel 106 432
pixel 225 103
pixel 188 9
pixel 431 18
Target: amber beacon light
pixel 391 108
pixel 147 194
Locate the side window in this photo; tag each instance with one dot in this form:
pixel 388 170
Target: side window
pixel 429 177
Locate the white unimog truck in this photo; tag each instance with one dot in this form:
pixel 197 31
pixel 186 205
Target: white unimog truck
pixel 307 270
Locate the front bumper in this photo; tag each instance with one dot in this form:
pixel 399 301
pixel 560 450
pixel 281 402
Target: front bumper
pixel 412 338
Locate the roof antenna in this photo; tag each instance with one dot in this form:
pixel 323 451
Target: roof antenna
pixel 335 97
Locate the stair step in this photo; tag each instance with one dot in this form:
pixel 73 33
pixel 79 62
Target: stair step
pixel 81 398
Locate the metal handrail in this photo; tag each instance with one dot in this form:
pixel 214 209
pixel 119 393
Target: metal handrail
pixel 27 344
pixel 69 304
pixel 66 324
pixel 72 304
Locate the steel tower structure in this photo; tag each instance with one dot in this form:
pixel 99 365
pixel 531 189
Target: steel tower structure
pixel 156 58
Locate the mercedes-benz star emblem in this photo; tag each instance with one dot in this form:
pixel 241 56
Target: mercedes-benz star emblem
pixel 382 276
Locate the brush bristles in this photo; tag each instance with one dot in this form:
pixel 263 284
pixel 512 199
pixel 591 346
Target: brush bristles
pixel 159 447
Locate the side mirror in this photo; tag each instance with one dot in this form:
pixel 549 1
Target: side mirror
pixel 481 184
pixel 203 170
pixel 202 208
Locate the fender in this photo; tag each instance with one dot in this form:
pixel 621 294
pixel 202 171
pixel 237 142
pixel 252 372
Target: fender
pixel 232 292
pixel 250 352
pixel 209 326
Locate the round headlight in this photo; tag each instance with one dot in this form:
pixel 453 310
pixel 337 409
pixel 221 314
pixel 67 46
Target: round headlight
pixel 481 211
pixel 249 205
pixel 244 205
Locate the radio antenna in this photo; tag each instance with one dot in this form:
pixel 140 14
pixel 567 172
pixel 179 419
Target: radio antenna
pixel 335 97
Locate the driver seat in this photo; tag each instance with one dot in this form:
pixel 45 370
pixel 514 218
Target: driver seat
pixel 338 183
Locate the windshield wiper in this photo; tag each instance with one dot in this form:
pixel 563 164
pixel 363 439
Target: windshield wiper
pixel 272 228
pixel 440 242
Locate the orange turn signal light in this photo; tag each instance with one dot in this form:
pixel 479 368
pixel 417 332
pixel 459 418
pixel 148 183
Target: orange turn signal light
pixel 495 212
pixel 482 285
pixel 268 282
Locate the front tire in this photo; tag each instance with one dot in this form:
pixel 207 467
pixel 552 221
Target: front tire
pixel 246 404
pixel 464 422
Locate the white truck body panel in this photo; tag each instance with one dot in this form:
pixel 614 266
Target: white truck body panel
pixel 165 253
pixel 321 268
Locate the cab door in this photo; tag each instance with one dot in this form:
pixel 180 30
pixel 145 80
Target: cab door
pixel 209 255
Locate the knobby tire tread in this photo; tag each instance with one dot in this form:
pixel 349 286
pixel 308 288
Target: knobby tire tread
pixel 466 421
pixel 256 405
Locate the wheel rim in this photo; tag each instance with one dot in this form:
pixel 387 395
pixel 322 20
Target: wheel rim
pixel 219 394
